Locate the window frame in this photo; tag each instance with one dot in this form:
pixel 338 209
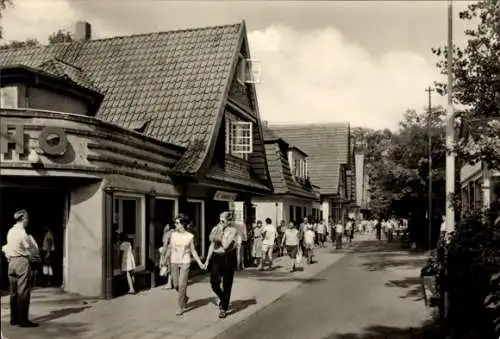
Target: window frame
pixel 141 199
pixel 231 146
pixel 249 70
pixel 202 226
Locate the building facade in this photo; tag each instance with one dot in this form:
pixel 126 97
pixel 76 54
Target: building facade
pixel 119 135
pixel 332 165
pixel 294 196
pixel 480 187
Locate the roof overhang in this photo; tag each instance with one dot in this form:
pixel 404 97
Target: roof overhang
pixel 12 74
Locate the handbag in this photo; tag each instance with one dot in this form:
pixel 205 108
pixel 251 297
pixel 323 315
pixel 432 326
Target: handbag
pixel 300 257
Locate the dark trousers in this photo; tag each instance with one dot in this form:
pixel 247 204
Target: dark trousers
pixel 339 241
pixel 222 273
pixel 20 289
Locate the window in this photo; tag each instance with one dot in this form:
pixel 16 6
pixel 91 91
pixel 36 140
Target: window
pixel 9 97
pixel 248 71
pixel 239 140
pixel 128 218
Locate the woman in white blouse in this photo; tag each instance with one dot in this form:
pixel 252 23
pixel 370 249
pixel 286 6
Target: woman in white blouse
pixel 181 249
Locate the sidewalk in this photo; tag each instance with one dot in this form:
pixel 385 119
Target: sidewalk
pixel 151 314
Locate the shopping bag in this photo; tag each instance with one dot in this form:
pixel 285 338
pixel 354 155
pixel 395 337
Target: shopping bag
pixel 300 257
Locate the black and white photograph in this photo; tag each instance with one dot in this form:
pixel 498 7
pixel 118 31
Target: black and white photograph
pixel 225 169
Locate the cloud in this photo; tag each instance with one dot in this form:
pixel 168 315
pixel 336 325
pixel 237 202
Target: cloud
pixel 39 18
pixel 308 74
pixel 319 76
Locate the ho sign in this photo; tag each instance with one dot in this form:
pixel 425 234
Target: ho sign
pixel 52 140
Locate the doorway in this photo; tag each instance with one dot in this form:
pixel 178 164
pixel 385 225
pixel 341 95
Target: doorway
pixel 46 208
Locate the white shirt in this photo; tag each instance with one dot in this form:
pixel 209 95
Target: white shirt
pixel 18 242
pixel 321 229
pixel 270 234
pixel 339 228
pixel 180 245
pixel 291 237
pixel 309 236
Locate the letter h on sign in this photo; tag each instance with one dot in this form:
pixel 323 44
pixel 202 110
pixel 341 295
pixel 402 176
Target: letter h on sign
pixel 7 138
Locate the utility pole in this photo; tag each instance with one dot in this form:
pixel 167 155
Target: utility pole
pixel 429 90
pixel 450 130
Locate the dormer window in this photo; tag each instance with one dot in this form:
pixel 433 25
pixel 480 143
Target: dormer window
pixel 248 71
pixel 239 138
pixel 9 97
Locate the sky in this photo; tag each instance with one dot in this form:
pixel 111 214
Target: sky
pixel 363 62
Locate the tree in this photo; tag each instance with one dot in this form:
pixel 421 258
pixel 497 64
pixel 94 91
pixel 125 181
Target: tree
pixel 60 36
pixel 398 167
pixel 475 71
pixel 56 37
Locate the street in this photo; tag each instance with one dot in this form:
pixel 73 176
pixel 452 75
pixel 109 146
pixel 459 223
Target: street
pixel 373 292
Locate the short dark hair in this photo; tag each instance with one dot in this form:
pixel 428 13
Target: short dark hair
pixel 268 221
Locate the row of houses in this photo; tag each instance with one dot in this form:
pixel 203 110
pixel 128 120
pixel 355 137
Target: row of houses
pixel 119 135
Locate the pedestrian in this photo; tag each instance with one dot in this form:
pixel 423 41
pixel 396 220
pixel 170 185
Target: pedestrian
pixel 222 259
pixel 182 249
pixel 18 251
pixel 48 250
pixel 257 244
pixel 378 227
pixel 127 261
pixel 269 234
pixel 302 228
pixel 339 231
pixel 309 241
pixel 321 231
pixel 291 241
pixel 281 231
pixel 165 267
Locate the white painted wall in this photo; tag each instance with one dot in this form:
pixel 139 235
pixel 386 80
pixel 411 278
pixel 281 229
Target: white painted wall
pixel 326 208
pixel 268 209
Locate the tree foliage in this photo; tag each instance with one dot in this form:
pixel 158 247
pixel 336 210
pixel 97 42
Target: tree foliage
pixel 476 69
pixel 56 37
pixel 60 36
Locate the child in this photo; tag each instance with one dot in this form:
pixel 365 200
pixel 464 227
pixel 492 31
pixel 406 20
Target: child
pixel 128 261
pixel 165 257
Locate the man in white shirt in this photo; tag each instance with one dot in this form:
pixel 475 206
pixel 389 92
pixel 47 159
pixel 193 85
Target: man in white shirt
pixel 18 252
pixel 269 233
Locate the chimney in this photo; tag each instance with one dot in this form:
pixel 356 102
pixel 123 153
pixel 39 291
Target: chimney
pixel 83 31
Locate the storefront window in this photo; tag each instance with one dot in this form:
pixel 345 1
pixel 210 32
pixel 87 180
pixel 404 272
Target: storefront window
pixel 195 211
pixel 128 218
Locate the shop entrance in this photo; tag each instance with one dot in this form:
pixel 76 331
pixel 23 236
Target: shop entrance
pixel 46 208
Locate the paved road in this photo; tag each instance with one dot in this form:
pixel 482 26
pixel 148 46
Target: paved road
pixel 373 293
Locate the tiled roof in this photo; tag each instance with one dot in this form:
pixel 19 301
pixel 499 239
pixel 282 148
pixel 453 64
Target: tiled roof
pixel 174 80
pixel 67 71
pixel 327 146
pixel 281 176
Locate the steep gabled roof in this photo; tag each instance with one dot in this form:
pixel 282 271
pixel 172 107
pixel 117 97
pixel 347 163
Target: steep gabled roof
pixel 173 83
pixel 327 146
pixel 281 175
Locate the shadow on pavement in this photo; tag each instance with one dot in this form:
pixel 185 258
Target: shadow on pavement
pixel 52 330
pixel 200 303
pixel 427 331
pixel 60 313
pixel 413 286
pixel 240 305
pixel 276 276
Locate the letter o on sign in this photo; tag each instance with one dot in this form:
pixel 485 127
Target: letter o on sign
pixel 53 141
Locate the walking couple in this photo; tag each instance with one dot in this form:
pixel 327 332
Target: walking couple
pixel 221 256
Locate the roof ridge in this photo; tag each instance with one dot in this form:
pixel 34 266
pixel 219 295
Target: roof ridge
pixel 345 123
pixel 193 29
